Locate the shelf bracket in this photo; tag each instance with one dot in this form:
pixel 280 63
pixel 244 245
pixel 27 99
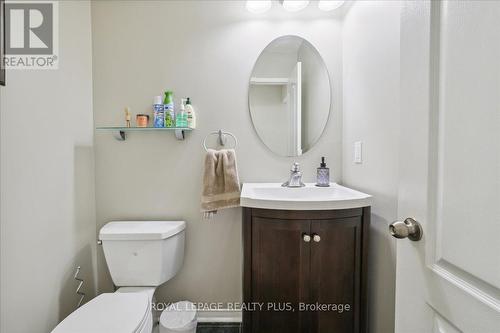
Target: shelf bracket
pixel 179 134
pixel 120 135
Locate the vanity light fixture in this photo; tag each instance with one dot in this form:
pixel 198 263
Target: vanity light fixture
pixel 294 5
pixel 328 5
pixel 258 6
pixel 262 6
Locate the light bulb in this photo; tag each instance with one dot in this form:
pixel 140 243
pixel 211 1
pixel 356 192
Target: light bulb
pixel 327 5
pixel 295 5
pixel 258 6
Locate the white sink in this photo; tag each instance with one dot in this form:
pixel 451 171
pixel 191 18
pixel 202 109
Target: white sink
pixel 310 197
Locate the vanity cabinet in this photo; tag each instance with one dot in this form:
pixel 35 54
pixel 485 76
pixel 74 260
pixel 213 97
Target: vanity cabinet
pixel 305 271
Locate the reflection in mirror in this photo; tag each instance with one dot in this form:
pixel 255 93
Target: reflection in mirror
pixel 289 96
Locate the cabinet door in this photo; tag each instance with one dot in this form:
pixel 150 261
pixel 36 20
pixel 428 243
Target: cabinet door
pixel 336 275
pixel 280 274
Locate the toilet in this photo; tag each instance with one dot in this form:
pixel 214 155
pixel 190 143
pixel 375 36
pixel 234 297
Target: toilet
pixel 141 255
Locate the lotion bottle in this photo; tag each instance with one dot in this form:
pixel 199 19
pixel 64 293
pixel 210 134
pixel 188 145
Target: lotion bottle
pixel 191 115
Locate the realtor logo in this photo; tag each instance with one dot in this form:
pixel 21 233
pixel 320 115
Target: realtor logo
pixel 31 35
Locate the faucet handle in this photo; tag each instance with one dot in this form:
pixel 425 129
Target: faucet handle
pixel 295 167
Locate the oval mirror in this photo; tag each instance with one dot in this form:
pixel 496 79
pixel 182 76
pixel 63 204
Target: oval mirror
pixel 289 96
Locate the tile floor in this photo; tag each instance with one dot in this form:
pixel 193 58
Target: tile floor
pixel 213 328
pixel 218 328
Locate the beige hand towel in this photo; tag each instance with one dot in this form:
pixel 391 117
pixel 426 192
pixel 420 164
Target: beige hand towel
pixel 221 184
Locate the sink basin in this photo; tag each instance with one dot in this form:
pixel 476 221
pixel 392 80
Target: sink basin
pixel 310 197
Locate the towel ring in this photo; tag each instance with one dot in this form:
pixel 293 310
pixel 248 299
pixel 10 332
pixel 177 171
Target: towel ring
pixel 222 138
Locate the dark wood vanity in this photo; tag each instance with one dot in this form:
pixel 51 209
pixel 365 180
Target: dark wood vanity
pixel 295 261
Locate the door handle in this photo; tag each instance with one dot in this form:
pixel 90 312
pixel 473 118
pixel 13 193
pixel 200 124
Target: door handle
pixel 306 238
pixel 408 228
pixel 316 238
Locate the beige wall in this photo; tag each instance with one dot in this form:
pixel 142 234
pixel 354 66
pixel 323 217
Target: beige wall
pixel 205 50
pixel 371 115
pixel 47 183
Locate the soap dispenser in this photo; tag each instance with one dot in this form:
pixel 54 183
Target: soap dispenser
pixel 323 177
pixel 191 115
pixel 181 117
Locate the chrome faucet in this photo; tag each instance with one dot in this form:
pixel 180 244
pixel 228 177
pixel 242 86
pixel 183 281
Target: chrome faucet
pixel 295 177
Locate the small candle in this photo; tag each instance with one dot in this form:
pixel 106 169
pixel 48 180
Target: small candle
pixel 142 120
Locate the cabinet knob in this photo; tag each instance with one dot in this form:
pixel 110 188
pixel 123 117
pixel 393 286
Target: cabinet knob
pixel 316 238
pixel 306 238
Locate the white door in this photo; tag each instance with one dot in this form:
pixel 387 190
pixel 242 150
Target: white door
pixel 295 110
pixel 449 281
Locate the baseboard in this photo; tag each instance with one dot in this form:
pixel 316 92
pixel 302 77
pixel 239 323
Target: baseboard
pixel 219 316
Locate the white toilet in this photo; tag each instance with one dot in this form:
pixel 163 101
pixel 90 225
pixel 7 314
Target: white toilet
pixel 141 255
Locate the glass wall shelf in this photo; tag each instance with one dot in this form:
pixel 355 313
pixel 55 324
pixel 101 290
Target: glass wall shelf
pixel 120 131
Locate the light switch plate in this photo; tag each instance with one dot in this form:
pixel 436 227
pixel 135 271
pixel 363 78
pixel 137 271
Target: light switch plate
pixel 358 152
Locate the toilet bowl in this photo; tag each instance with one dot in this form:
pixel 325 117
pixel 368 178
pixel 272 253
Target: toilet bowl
pixel 141 255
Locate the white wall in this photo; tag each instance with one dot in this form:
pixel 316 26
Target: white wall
pixel 47 183
pixel 205 50
pixel 273 63
pixel 371 115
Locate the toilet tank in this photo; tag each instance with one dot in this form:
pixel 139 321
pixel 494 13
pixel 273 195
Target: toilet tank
pixel 143 253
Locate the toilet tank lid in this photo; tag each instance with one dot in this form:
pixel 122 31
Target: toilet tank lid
pixel 140 230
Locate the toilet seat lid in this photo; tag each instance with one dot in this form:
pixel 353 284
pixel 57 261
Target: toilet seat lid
pixel 110 312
